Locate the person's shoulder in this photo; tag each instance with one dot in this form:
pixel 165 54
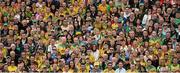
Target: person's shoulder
pixel 117 70
pixel 105 70
pixel 124 69
pixel 99 5
pixel 129 70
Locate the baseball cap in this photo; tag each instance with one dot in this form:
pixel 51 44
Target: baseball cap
pixel 96 63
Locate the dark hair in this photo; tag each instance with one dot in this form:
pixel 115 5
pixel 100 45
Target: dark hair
pixel 109 63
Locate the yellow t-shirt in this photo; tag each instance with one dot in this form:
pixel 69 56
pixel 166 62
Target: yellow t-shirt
pixel 4 52
pixel 97 25
pixel 109 71
pixel 91 58
pixel 88 67
pixel 130 71
pixel 64 12
pixel 76 9
pixel 51 68
pixel 47 15
pixel 12 68
pixel 79 1
pixel 78 66
pixel 80 71
pixel 11 27
pixel 71 13
pixel 114 26
pixel 101 52
pixel 103 8
pixel 71 71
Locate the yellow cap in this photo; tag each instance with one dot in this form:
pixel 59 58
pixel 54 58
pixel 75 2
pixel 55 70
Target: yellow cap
pixel 96 63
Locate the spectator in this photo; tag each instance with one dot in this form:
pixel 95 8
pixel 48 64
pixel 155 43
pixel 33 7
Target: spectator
pixel 89 36
pixel 120 69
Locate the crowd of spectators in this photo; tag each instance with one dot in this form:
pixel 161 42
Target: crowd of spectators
pixel 108 36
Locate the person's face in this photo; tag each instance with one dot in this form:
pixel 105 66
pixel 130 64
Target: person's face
pixel 5 19
pixel 139 28
pixel 175 61
pixel 98 19
pixel 109 66
pixel 49 0
pixel 170 45
pixel 138 62
pixel 111 3
pixel 32 59
pixel 23 36
pixel 177 15
pixel 71 7
pixel 72 55
pixel 83 67
pixel 87 60
pixel 76 3
pixel 115 19
pixel 103 2
pixel 132 66
pixel 7 0
pixel 93 8
pixel 23 4
pixel 12 54
pixel 66 67
pixel 145 33
pixel 13 46
pixel 135 1
pixel 76 40
pixel 154 34
pixel 146 44
pixel 177 47
pixel 114 9
pixel 12 63
pixel 71 64
pixel 132 34
pixel 149 62
pixel 156 25
pixel 96 67
pixel 168 35
pixel 120 65
pixel 18 1
pixel 111 50
pixel 169 10
pixel 3 4
pixel 5 67
pixel 1 45
pixel 159 10
pixel 64 4
pixel 23 54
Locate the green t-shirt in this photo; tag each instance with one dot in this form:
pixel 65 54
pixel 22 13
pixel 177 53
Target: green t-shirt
pixel 177 21
pixel 150 67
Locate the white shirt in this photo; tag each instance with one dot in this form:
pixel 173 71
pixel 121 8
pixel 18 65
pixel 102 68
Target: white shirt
pixel 120 70
pixel 96 55
pixel 50 48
